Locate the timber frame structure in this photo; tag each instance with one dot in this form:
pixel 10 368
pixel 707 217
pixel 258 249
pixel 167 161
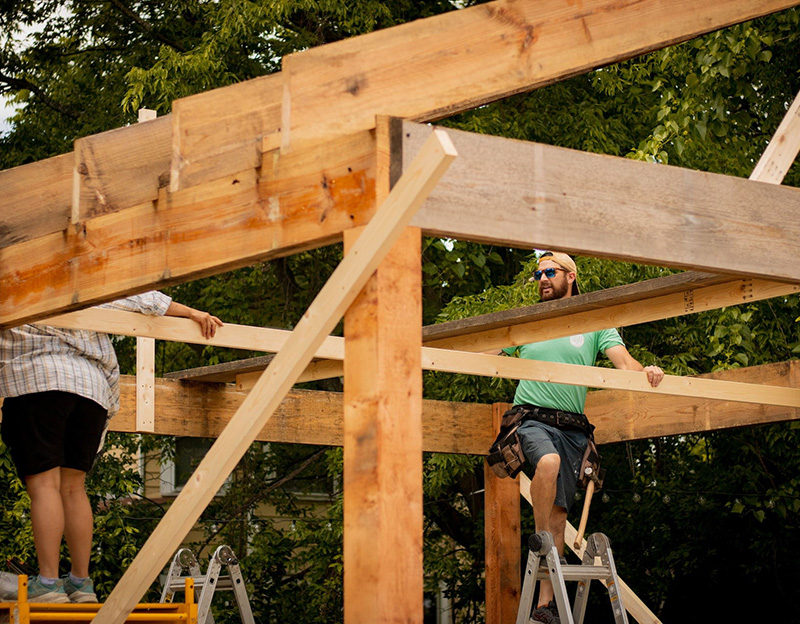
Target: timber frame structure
pixel 304 158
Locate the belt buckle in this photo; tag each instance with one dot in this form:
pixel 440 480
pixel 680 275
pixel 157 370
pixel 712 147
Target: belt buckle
pixel 558 415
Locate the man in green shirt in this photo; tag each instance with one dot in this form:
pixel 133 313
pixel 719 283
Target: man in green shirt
pixel 554 451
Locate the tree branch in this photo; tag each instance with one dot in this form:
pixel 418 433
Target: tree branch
pixel 22 83
pixel 146 26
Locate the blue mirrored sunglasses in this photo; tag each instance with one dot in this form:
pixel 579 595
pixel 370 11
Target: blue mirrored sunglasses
pixel 549 272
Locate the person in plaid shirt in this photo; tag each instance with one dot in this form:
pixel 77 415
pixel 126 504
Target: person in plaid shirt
pixel 60 388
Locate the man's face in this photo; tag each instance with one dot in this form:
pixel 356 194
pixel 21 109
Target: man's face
pixel 554 287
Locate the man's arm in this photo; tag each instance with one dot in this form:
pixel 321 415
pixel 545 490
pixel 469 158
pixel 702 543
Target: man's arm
pixel 208 323
pixel 621 359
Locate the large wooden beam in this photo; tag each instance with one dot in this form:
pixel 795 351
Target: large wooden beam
pixel 312 417
pixel 302 200
pixel 532 195
pixel 347 280
pixel 616 307
pixel 383 521
pixel 466 58
pixel 502 535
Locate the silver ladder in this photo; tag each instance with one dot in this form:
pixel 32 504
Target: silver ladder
pixel 542 546
pixel 210 582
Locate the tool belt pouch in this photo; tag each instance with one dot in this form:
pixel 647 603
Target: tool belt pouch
pixel 505 457
pixel 590 467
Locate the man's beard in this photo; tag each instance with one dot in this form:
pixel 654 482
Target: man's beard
pixel 557 291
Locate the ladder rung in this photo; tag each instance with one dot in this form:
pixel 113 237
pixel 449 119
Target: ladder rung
pixel 87 616
pixel 578 573
pixel 224 582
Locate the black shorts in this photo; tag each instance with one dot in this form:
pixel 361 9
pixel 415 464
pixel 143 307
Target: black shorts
pixel 46 430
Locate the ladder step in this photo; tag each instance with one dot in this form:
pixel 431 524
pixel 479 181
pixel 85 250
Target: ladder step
pixel 578 573
pixel 199 582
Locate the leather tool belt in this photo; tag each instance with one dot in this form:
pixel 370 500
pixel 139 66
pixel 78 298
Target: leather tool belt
pixel 505 457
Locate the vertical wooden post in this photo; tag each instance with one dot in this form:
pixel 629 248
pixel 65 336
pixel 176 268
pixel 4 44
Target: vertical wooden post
pixel 502 530
pixel 383 426
pixel 145 385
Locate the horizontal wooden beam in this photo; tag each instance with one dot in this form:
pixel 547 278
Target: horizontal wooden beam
pixel 220 132
pixel 36 199
pixel 532 195
pixel 446 360
pixel 460 60
pixel 302 200
pixel 587 312
pixel 121 168
pixel 311 417
pixel 193 409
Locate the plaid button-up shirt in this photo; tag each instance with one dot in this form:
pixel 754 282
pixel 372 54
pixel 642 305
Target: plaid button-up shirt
pixel 38 358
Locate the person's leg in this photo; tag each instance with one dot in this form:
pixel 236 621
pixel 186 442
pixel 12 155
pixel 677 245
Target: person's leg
pixel 78 520
pixel 543 494
pixel 47 519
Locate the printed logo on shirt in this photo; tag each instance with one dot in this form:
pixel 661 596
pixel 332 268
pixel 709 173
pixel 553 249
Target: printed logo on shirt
pixel 577 341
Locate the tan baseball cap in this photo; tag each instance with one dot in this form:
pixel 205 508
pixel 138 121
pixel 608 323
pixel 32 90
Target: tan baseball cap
pixel 565 262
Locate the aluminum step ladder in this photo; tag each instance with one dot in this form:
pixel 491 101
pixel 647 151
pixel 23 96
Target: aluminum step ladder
pixel 209 583
pixel 544 563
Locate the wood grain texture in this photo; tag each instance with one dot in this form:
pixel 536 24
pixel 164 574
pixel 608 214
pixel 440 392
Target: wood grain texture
pixel 36 199
pixel 460 60
pixel 121 168
pixel 383 520
pixel 145 384
pixel 503 538
pixel 193 409
pixel 220 132
pixel 522 194
pixel 305 200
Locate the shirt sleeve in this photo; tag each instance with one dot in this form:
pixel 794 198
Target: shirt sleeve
pixel 152 303
pixel 608 338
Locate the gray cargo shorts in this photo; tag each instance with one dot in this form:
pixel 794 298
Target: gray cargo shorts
pixel 539 439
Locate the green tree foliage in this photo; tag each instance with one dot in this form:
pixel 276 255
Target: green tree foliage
pixel 688 515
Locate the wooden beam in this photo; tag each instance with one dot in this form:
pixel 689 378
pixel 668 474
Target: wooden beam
pixel 303 200
pixel 36 199
pixel 633 604
pixel 312 417
pixel 444 360
pixel 782 149
pixel 121 168
pixel 620 415
pixel 382 476
pixel 460 60
pixel 202 410
pixel 503 539
pixel 319 320
pixel 598 377
pixel 220 132
pixel 601 310
pixel 145 385
pixel 522 194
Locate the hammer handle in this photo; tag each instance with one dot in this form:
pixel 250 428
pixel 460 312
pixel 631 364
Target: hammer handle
pixel 584 515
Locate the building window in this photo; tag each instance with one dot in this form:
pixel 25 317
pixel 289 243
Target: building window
pixel 188 454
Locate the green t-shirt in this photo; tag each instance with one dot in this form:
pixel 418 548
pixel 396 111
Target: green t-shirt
pixel 579 349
